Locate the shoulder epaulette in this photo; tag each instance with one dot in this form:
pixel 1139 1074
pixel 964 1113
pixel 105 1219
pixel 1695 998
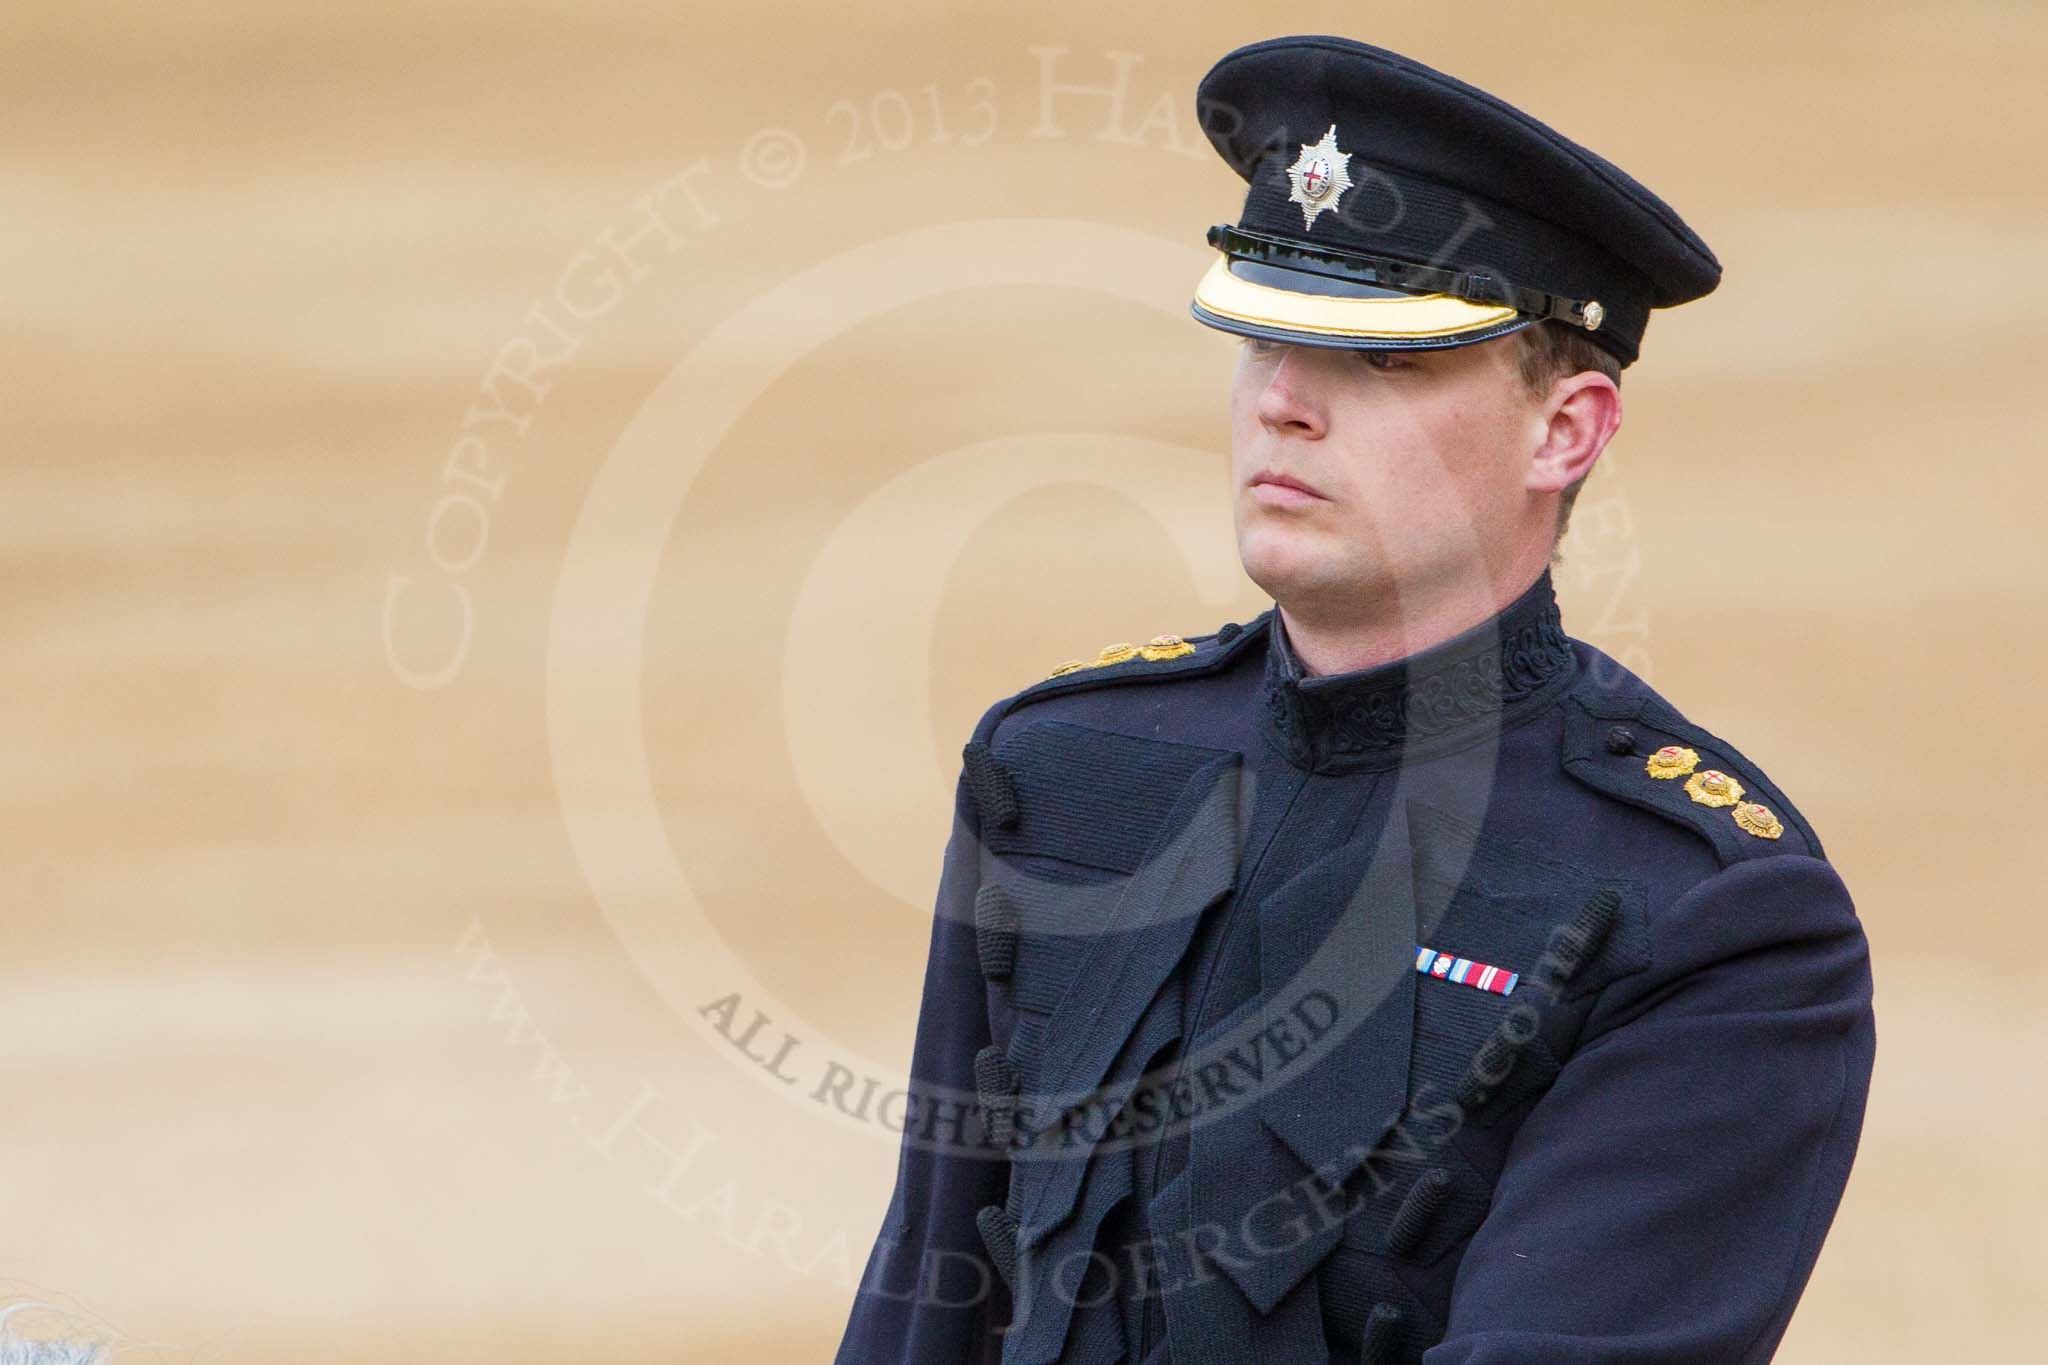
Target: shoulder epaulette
pixel 1641 751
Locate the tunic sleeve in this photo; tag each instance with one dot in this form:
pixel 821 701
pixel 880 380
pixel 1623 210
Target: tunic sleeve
pixel 1667 1198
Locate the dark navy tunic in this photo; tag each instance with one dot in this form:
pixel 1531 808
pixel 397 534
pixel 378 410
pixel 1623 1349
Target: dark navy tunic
pixel 1473 1008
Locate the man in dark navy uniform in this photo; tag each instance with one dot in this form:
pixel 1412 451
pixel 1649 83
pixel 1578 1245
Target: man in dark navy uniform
pixel 1392 977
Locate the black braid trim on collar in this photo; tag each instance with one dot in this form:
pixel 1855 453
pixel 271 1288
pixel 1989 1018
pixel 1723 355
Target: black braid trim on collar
pixel 1445 697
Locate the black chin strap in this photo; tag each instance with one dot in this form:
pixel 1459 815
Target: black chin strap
pixel 1390 273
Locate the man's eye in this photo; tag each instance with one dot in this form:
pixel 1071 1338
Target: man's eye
pixel 1385 360
pixel 1260 346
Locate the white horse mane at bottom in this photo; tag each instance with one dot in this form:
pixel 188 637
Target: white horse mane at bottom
pixel 16 1350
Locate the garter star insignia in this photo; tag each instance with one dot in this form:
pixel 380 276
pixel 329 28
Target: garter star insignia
pixel 1671 761
pixel 1320 176
pixel 1713 788
pixel 1758 820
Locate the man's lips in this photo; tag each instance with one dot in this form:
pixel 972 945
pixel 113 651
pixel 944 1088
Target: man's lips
pixel 1275 479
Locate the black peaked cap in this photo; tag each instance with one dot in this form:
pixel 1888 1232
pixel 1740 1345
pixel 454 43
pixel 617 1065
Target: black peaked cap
pixel 1391 206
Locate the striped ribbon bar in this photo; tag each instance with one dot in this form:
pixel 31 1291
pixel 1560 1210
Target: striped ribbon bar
pixel 1464 971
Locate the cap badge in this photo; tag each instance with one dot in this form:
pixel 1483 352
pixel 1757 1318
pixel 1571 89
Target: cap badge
pixel 1320 176
pixel 1713 788
pixel 1758 820
pixel 1671 761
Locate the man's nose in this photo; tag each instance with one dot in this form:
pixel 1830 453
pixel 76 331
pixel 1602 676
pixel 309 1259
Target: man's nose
pixel 1290 404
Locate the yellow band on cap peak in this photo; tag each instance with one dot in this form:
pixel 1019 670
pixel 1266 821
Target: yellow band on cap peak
pixel 1394 318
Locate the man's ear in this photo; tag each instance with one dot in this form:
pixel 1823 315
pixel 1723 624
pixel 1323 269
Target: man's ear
pixel 1580 416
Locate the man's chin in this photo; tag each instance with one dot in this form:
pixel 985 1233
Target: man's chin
pixel 1290 564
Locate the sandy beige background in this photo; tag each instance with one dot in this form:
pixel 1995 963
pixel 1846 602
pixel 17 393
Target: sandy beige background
pixel 360 629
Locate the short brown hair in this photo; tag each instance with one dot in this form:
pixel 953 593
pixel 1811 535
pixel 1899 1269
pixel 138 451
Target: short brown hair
pixel 1551 351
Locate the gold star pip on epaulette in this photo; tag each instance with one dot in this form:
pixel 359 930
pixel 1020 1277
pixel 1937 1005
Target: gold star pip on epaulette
pixel 1756 818
pixel 1673 760
pixel 1713 788
pixel 1165 647
pixel 1158 647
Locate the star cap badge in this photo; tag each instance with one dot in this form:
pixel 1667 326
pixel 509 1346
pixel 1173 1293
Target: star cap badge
pixel 1320 176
